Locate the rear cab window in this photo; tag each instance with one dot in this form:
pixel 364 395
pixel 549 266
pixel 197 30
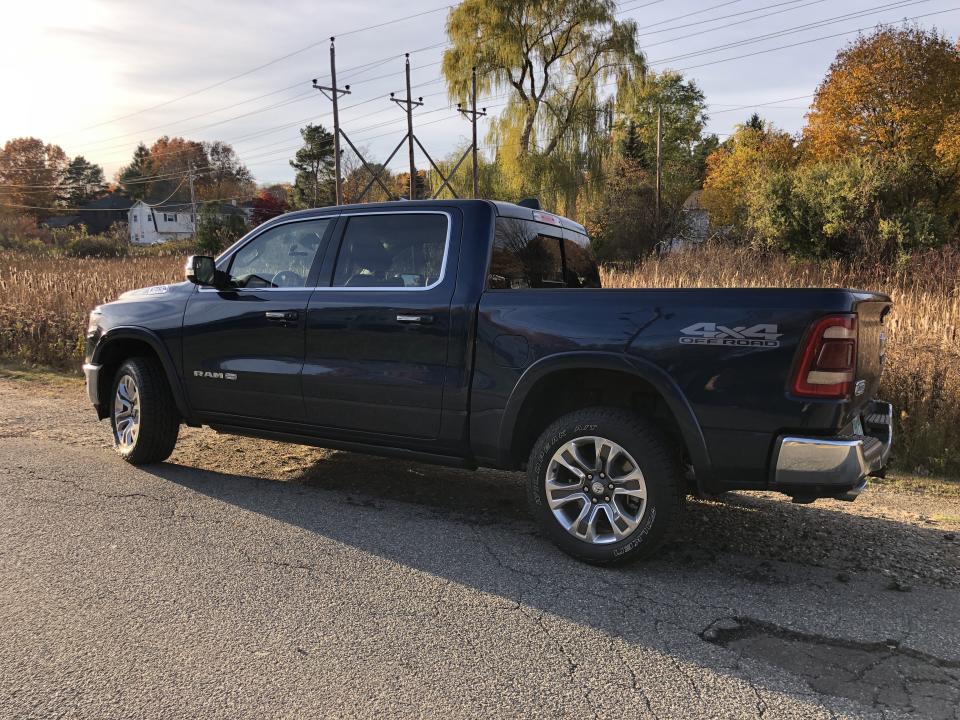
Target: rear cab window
pixel 530 254
pixel 392 250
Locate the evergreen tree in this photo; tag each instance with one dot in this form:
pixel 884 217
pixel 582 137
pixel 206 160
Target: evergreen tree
pixel 130 177
pixel 82 182
pixel 314 163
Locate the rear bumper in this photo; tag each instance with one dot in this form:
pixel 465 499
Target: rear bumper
pixel 812 467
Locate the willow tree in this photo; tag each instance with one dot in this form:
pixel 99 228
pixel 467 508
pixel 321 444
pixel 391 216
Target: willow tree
pixel 555 60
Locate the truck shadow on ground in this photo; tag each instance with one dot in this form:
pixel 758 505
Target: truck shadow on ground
pixel 720 593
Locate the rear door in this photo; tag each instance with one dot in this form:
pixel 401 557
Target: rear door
pixel 377 337
pixel 243 347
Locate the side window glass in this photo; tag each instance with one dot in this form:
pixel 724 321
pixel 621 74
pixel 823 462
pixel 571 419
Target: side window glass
pixel 579 266
pixel 279 257
pixel 522 257
pixel 392 251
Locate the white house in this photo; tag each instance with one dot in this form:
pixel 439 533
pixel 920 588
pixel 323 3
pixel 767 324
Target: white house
pixel 695 225
pixel 150 224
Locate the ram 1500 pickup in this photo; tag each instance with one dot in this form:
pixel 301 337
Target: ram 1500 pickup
pixel 476 333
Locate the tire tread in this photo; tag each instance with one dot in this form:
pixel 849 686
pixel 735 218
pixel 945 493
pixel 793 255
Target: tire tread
pixel 160 420
pixel 659 451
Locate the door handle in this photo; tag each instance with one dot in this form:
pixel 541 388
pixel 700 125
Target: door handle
pixel 286 316
pixel 421 319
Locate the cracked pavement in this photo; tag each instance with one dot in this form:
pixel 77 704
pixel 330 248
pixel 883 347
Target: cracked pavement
pixel 251 579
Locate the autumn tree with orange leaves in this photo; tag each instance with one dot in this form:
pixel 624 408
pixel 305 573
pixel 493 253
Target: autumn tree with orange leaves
pixel 888 95
pixel 877 169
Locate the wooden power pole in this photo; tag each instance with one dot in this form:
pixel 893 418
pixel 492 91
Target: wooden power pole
pixel 333 94
pixel 659 170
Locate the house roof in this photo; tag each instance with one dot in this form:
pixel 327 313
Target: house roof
pixel 172 206
pixel 113 201
pixel 61 221
pixel 693 201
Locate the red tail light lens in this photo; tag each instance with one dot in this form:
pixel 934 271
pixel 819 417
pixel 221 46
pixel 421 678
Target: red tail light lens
pixel 828 364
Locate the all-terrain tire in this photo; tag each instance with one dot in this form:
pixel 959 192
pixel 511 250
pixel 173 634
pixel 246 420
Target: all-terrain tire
pixel 154 411
pixel 647 449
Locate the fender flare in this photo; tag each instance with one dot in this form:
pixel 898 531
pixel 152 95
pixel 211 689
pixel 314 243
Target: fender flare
pixel 587 360
pixel 133 332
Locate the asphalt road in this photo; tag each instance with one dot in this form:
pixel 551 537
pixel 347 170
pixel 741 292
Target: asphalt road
pixel 296 583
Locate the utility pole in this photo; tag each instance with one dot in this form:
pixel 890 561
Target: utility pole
pixel 193 199
pixel 473 114
pixel 409 103
pixel 659 169
pixel 333 94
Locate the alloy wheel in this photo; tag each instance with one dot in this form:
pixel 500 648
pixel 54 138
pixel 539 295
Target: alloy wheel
pixel 596 490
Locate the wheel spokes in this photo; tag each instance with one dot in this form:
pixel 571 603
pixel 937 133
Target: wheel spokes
pixel 631 484
pixel 126 412
pixel 606 513
pixel 560 494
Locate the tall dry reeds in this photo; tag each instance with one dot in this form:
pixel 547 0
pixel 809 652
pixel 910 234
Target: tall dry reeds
pixel 44 302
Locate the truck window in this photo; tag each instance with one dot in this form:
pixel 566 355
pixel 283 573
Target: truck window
pixel 279 257
pixel 579 266
pixel 392 250
pixel 527 254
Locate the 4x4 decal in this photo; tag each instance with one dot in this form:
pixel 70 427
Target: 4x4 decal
pixel 708 333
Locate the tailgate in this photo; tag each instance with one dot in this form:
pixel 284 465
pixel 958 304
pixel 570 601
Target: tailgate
pixel 871 346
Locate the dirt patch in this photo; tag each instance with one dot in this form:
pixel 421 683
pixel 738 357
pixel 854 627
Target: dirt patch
pixel 883 676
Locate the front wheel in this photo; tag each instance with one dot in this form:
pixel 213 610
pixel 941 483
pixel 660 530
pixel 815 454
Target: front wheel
pixel 604 485
pixel 143 416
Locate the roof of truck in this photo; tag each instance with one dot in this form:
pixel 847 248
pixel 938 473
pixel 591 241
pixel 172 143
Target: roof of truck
pixel 504 209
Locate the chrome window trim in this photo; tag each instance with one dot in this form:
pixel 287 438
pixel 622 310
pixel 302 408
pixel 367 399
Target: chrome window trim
pixel 443 262
pixel 440 278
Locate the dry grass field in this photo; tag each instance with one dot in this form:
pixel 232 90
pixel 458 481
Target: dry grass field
pixel 44 303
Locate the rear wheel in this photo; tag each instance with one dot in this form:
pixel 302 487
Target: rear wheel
pixel 143 416
pixel 604 485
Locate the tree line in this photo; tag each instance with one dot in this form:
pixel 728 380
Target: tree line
pixel 876 169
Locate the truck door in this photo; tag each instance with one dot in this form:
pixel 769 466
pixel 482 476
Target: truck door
pixel 243 347
pixel 376 344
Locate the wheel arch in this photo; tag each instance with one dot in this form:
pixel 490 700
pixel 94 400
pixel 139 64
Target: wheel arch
pixel 531 407
pixel 121 343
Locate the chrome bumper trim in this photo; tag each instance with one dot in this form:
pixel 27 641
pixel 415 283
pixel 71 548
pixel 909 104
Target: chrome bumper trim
pixel 822 464
pixel 92 373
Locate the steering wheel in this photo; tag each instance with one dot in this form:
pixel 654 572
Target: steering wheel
pixel 287 278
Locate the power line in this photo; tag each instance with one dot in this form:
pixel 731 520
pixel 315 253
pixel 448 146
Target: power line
pixel 711 20
pixel 812 40
pixel 689 14
pixel 766 104
pixel 792 30
pixel 261 67
pixel 123 209
pixel 792 4
pixel 356 69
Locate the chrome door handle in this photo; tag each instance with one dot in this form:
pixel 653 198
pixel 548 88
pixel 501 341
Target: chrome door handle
pixel 287 316
pixel 421 319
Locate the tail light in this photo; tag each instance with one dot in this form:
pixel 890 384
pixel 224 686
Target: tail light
pixel 828 364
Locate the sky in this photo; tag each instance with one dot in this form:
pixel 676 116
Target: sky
pixel 98 76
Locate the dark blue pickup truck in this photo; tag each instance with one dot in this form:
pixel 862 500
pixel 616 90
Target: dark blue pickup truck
pixel 476 333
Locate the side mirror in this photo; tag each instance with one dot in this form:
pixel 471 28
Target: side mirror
pixel 201 270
